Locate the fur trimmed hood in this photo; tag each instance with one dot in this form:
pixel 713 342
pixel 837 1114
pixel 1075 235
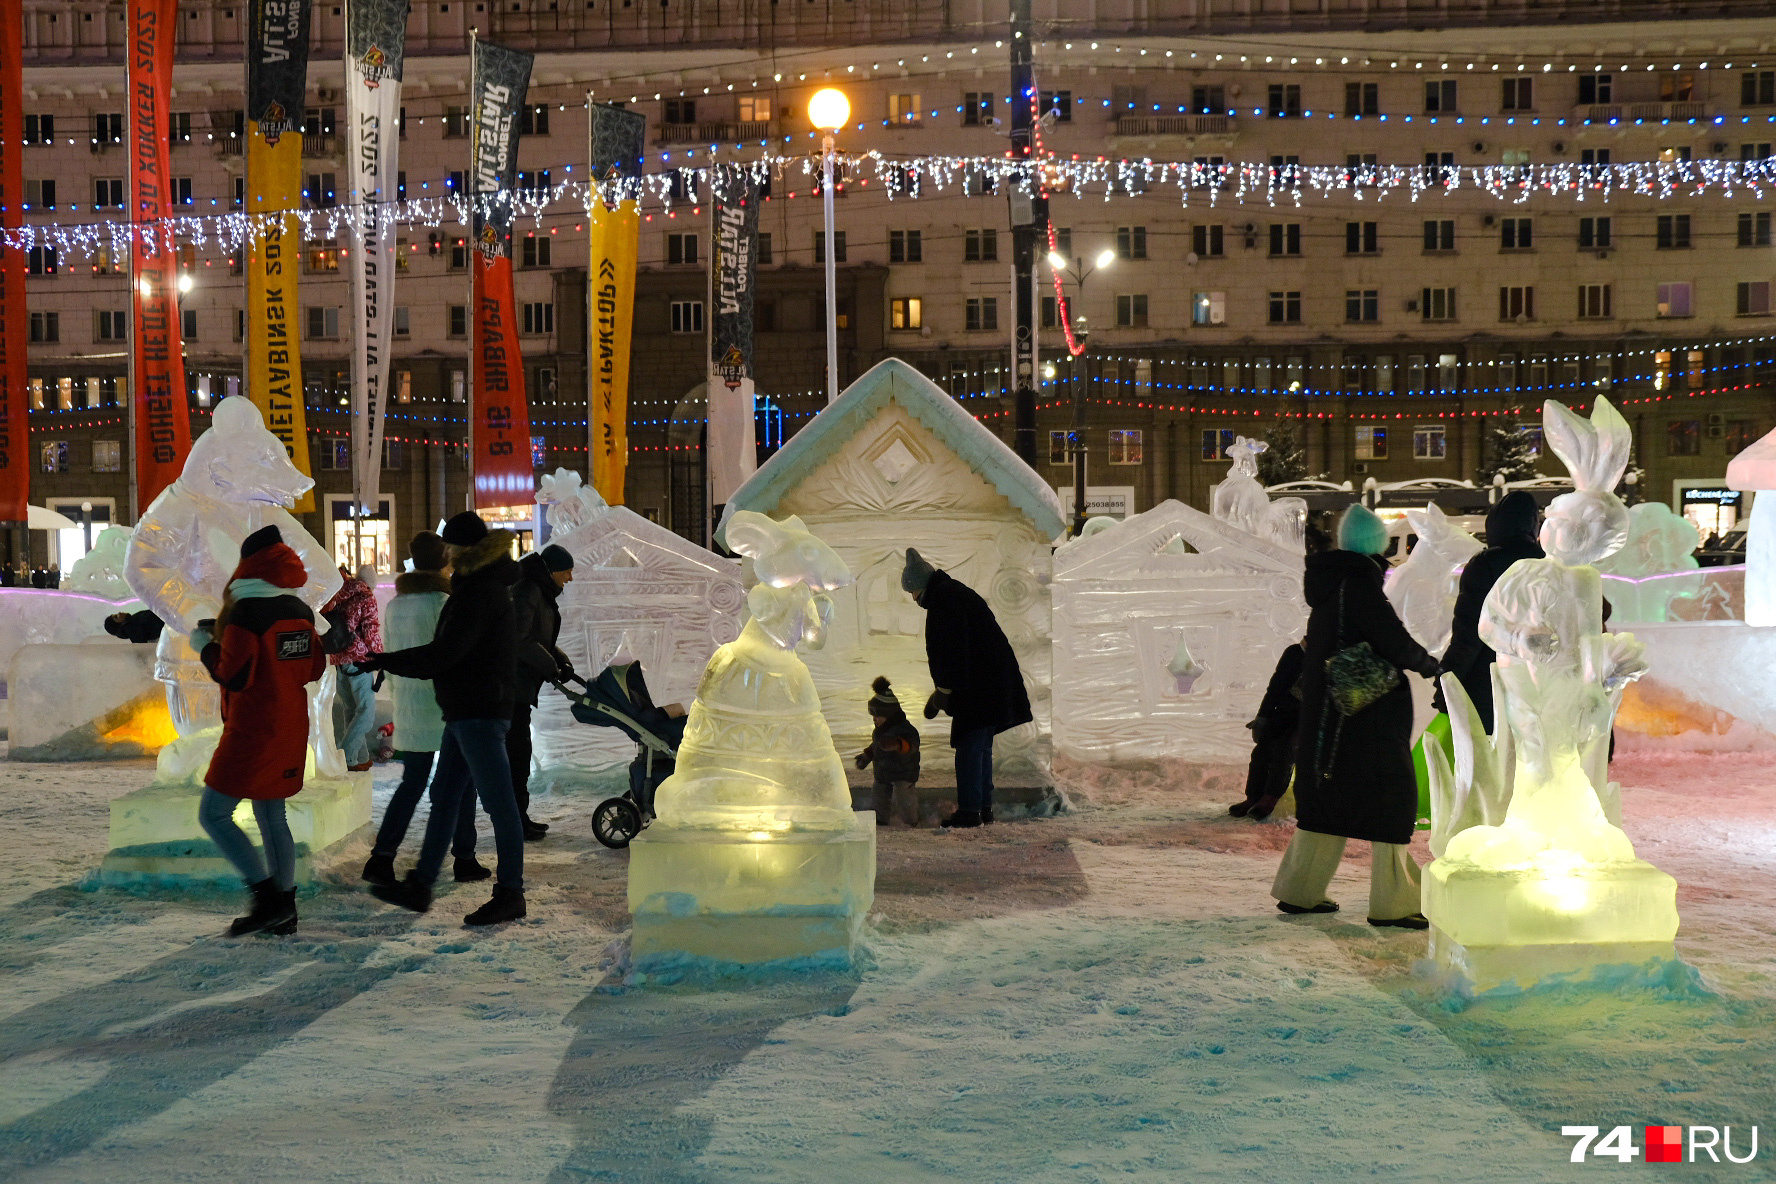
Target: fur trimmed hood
pixel 412 582
pixel 490 550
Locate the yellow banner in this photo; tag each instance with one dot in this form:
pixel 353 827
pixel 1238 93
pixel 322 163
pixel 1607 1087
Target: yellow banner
pixel 615 234
pixel 273 355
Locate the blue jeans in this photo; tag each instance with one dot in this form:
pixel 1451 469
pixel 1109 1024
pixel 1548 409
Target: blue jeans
pixel 416 767
pixel 215 813
pixel 474 758
pixel 357 704
pixel 974 769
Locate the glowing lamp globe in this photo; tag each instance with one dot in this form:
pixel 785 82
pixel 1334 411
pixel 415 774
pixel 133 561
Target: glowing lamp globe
pixel 829 109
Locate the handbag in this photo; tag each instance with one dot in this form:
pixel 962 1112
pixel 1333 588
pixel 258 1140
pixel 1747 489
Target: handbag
pixel 1356 675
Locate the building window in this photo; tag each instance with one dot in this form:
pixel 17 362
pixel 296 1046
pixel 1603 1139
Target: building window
pixel 1131 311
pixel 687 316
pixel 181 190
pixel 1060 447
pixel 1216 442
pixel 108 127
pixel 763 253
pixel 456 122
pixel 188 323
pixel 1440 97
pixel 1208 100
pixel 46 327
pixel 39 129
pixel 108 193
pixel 1517 303
pixel 1754 230
pixel 323 323
pixel 335 453
pixel 1060 102
pixel 1741 434
pixel 54 454
pixel 1439 234
pixel 1372 443
pixel 535 184
pixel 1285 238
pixel 977 108
pixel 981 312
pixel 40 195
pixel 681 249
pixel 1758 151
pixel 1131 242
pixel 906 246
pixel 906 312
pixel 1362 304
pixel 1673 232
pixel 1594 301
pixel 42 261
pixel 1519 94
pixel 838 246
pixel 110 326
pixel 459 320
pixel 1285 308
pixel 1594 234
pixel 1362 238
pixel 535 251
pixel 1285 100
pixel 1209 242
pixel 1362 98
pixel 1757 88
pixel 1208 308
pixel 1051 313
pixel 539 317
pixel 1683 437
pixel 1437 167
pixel 403 321
pixel 107 456
pixel 1754 299
pixel 533 119
pixel 1674 300
pixel 321 191
pixel 322 257
pixel 1428 442
pixel 1595 89
pixel 1437 304
pixel 1515 234
pixel 1125 446
pixel 903 110
pixel 980 246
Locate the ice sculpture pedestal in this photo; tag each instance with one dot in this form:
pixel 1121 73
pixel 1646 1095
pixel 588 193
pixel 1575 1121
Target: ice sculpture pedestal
pixel 1493 926
pixel 751 898
pixel 155 837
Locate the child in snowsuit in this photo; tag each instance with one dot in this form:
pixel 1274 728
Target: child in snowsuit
pixel 894 750
pixel 1273 740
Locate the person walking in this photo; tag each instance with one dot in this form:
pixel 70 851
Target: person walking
pixel 472 664
pixel 353 612
pixel 419 725
pixel 1273 731
pixel 894 751
pixel 977 680
pixel 263 649
pixel 1353 760
pixel 1510 536
pixel 535 607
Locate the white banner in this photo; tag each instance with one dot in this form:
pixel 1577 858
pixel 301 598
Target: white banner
pixel 375 45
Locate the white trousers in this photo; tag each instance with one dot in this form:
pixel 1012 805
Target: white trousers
pixel 1312 858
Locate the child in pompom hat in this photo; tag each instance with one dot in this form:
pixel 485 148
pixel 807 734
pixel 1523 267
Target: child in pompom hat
pixel 894 750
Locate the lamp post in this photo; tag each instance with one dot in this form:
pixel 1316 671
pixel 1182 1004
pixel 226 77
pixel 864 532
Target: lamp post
pixel 1081 332
pixel 828 110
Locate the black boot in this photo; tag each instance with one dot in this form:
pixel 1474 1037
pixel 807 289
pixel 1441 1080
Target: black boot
pixel 507 905
pixel 380 869
pixel 287 927
pixel 986 816
pixel 470 870
pixel 269 908
pixel 534 830
pixel 411 893
pixel 963 818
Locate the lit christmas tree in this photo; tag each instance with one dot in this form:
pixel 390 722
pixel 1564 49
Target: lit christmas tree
pixel 1509 450
pixel 1286 458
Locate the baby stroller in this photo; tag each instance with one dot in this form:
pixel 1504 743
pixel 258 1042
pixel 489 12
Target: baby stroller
pixel 618 698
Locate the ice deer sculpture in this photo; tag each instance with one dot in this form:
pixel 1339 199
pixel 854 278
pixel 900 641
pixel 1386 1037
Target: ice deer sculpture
pixel 1422 590
pixel 1240 500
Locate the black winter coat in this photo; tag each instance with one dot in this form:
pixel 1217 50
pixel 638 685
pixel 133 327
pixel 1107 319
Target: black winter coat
pixel 1353 775
pixel 1274 738
pixel 1510 536
pixel 971 659
pixel 894 751
pixel 471 658
pixel 536 612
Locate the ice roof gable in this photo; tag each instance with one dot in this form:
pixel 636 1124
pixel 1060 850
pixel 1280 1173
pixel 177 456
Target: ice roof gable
pixel 1144 545
pixel 896 381
pixel 621 538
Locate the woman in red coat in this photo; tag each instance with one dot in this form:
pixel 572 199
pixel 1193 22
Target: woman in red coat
pixel 264 651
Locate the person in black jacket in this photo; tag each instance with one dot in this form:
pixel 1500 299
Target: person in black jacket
pixel 1353 774
pixel 139 628
pixel 977 680
pixel 1510 536
pixel 894 750
pixel 537 614
pixel 472 662
pixel 1273 740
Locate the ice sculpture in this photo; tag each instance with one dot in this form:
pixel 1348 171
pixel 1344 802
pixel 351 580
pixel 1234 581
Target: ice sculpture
pixel 571 503
pixel 100 571
pixel 1183 668
pixel 1534 875
pixel 756 854
pixel 1422 589
pixel 1660 543
pixel 1240 500
pixel 1754 471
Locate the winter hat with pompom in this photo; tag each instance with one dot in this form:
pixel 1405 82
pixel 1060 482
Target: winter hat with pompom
pixel 883 703
pixel 1361 531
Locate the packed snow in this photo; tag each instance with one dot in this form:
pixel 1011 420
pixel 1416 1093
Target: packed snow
pixel 1104 995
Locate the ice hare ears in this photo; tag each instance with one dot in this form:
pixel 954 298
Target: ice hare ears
pixel 1595 450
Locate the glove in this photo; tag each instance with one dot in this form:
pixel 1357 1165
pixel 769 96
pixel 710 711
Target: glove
pixel 564 670
pixel 863 759
pixel 203 634
pixel 939 701
pixel 1256 727
pixel 377 685
pixel 369 663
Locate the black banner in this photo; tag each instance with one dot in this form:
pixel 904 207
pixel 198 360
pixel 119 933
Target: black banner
pixel 735 264
pixel 619 137
pixel 501 79
pixel 277 65
pixel 376 38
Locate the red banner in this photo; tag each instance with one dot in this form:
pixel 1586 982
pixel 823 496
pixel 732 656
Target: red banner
pixel 501 429
pixel 163 418
pixel 15 405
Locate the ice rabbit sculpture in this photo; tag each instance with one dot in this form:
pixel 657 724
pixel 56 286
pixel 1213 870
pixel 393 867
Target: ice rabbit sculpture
pixel 1534 874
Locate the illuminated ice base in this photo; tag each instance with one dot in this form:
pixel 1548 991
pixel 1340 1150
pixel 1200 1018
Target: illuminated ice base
pixel 743 898
pixel 155 836
pixel 1497 926
pixel 85 703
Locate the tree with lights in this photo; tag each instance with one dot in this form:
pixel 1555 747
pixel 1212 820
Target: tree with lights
pixel 1509 451
pixel 1286 458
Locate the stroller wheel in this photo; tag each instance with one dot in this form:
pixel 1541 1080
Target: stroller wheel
pixel 615 822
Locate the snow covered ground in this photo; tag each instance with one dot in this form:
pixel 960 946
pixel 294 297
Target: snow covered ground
pixel 1106 995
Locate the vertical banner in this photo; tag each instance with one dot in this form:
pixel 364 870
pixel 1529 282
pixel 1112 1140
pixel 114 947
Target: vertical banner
pixel 158 402
pixel 277 84
pixel 499 417
pixel 618 139
pixel 375 44
pixel 732 451
pixel 15 406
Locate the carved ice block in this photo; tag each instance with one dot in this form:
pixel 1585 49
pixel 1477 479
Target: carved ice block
pixel 85 702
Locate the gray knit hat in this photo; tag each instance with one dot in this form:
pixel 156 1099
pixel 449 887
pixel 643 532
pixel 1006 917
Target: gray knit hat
pixel 916 574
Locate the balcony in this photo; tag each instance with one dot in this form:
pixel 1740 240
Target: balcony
pixel 1641 112
pixel 1175 125
pixel 713 132
pixel 318 144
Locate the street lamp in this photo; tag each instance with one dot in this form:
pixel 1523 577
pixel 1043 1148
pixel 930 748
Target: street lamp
pixel 1081 332
pixel 829 110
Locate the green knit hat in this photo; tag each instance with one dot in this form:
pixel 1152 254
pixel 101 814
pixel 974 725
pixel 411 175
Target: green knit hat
pixel 1361 531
